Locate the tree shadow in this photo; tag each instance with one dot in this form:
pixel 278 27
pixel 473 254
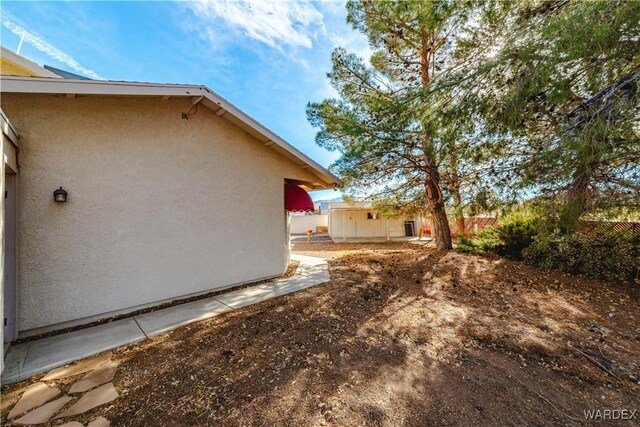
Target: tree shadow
pixel 400 336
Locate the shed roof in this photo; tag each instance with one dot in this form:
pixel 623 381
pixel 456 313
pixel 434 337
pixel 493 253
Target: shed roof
pixel 198 94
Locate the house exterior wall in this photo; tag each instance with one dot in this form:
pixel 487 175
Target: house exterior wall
pixel 7 165
pixel 301 223
pixel 159 207
pixel 354 223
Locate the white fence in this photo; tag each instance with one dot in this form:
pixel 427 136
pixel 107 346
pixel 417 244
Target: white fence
pixel 300 223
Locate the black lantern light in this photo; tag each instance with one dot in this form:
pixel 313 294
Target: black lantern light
pixel 60 195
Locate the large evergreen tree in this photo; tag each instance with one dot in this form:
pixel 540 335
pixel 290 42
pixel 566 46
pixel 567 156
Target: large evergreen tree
pixel 560 95
pixel 393 122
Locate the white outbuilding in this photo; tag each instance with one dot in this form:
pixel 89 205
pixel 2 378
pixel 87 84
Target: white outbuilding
pixel 360 222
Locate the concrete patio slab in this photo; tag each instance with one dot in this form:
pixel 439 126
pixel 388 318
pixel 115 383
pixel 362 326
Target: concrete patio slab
pixel 14 362
pixel 158 322
pixel 24 360
pixel 47 353
pixel 311 271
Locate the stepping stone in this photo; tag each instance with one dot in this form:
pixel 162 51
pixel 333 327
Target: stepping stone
pixel 103 374
pixel 71 424
pixel 36 395
pixel 99 422
pixel 43 413
pixel 79 368
pixel 99 396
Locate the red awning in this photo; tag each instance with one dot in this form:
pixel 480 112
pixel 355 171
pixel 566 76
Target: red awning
pixel 296 199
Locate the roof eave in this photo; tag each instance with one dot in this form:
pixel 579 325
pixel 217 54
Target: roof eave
pixel 221 106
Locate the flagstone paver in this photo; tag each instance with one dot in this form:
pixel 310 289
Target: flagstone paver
pixel 99 422
pixel 99 396
pixel 78 368
pixel 35 395
pixel 103 374
pixel 43 413
pixel 71 424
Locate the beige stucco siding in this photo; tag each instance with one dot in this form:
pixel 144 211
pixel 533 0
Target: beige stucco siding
pixel 159 207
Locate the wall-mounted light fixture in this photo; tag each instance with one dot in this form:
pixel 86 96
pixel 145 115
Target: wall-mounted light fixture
pixel 60 195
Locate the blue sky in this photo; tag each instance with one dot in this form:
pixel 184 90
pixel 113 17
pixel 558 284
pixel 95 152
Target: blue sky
pixel 269 58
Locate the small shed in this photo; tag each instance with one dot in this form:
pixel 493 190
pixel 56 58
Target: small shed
pixel 360 222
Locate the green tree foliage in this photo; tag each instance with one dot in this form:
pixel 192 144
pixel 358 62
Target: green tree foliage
pixel 559 96
pixel 393 123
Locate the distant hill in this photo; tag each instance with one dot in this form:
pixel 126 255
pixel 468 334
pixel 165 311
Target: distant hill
pixel 323 205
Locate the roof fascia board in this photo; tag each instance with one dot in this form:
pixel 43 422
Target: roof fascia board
pixel 97 87
pixel 27 65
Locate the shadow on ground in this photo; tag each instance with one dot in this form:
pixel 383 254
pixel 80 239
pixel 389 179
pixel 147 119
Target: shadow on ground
pixel 401 335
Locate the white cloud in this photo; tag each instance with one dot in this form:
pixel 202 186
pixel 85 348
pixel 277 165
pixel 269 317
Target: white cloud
pixel 277 24
pixel 353 42
pixel 47 48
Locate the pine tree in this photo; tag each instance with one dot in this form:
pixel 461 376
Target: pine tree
pixel 393 120
pixel 552 62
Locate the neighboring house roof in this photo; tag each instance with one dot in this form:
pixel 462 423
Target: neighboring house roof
pixel 16 65
pixel 197 93
pixel 345 206
pixel 65 74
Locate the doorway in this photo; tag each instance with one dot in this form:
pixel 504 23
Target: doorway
pixel 409 228
pixel 9 244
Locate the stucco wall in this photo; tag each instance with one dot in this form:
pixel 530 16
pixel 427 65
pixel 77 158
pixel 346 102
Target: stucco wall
pixel 355 224
pixel 300 223
pixel 159 207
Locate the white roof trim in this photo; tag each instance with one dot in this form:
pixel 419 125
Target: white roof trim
pixel 26 64
pixel 346 206
pixel 212 100
pixel 7 129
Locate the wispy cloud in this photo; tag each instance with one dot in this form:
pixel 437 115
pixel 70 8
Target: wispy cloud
pixel 277 24
pixel 47 48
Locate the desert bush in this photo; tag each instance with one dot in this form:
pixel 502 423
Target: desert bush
pixel 516 231
pixel 485 240
pixel 613 256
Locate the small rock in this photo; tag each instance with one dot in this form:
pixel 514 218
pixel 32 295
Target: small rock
pixel 71 424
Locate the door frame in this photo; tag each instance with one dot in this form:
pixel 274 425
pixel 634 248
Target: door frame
pixel 10 279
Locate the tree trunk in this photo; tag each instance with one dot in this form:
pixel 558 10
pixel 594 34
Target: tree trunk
pixel 458 210
pixel 460 223
pixel 441 231
pixel 576 202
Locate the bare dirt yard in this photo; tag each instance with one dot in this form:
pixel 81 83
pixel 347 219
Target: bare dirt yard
pixel 401 335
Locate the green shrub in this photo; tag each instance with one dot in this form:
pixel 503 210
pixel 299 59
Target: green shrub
pixel 485 240
pixel 611 256
pixel 515 233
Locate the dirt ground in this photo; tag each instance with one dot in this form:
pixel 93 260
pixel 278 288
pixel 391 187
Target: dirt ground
pixel 401 335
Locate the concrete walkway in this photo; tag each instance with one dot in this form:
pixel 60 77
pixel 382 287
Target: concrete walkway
pixel 25 360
